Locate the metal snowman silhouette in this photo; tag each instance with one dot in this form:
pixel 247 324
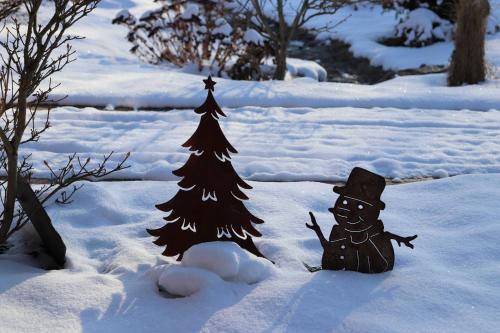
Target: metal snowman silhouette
pixel 358 242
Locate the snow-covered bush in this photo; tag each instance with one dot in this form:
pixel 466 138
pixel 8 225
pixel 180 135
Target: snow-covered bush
pixel 424 22
pixel 445 9
pixel 207 34
pixel 422 27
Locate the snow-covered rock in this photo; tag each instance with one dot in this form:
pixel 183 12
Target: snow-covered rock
pixel 306 68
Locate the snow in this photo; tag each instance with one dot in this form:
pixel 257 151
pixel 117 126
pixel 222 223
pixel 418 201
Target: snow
pixel 190 11
pixel 228 261
pixel 363 36
pixel 117 281
pixel 423 25
pixel 106 73
pixel 305 68
pixel 124 15
pixel 205 266
pixel 222 27
pixel 186 281
pixel 280 144
pixel 148 88
pixel 365 27
pixel 252 36
pixel 448 283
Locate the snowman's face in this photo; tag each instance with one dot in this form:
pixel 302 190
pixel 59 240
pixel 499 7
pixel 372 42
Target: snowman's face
pixel 354 214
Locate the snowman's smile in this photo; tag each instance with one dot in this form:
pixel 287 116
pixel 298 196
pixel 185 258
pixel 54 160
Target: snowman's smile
pixel 363 230
pixel 359 221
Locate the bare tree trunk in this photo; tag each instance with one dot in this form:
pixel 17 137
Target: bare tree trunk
pixel 289 16
pixel 281 68
pixel 10 198
pixel 467 63
pixel 13 157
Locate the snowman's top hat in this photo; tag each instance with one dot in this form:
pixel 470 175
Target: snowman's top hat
pixel 365 186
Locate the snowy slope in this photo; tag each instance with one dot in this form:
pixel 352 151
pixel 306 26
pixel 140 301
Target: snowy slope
pixel 280 144
pixel 106 73
pixel 448 283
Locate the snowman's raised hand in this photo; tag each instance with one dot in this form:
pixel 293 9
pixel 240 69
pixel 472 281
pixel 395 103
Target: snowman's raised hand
pixel 314 226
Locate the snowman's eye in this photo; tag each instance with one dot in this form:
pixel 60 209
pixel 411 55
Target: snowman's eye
pixel 344 202
pixel 360 206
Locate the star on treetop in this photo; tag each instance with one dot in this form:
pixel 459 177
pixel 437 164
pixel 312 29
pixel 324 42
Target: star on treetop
pixel 209 83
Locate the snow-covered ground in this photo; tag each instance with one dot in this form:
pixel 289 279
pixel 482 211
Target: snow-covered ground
pixel 107 73
pixel 448 283
pixel 278 144
pixel 364 28
pixel 285 131
pixel 140 86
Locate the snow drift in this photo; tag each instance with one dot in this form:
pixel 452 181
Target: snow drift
pixel 206 265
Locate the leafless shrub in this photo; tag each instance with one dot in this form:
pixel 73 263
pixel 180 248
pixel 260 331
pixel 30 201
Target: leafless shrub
pixel 8 7
pixel 31 53
pixel 204 33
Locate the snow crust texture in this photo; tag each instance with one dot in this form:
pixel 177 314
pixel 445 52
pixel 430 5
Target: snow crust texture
pixel 279 144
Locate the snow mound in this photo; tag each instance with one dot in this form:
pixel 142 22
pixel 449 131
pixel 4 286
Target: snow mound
pixel 186 281
pixel 208 264
pixel 229 261
pixel 306 68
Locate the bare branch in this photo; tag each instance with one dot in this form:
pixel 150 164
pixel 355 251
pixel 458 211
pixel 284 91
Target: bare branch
pixel 32 53
pixel 279 21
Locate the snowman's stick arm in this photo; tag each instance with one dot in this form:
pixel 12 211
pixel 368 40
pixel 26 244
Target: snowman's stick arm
pixel 405 240
pixel 314 226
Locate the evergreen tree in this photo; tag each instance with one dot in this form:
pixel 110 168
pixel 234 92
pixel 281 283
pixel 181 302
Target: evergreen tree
pixel 209 204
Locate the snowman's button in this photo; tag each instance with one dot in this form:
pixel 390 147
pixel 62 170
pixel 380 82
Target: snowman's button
pixel 342 257
pixel 342 247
